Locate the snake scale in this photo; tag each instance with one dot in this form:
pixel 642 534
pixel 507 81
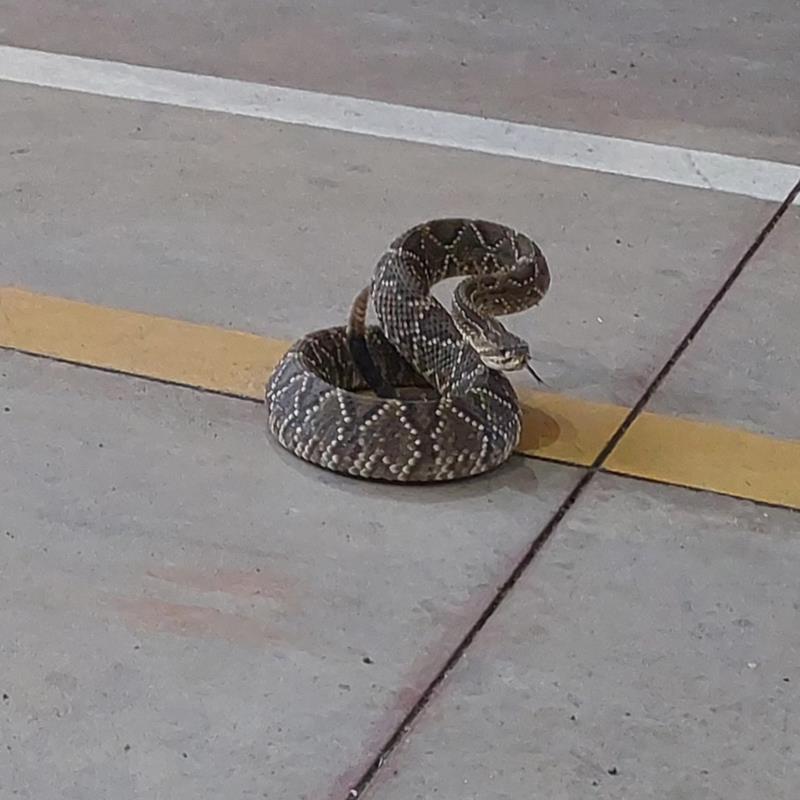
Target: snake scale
pixel 470 420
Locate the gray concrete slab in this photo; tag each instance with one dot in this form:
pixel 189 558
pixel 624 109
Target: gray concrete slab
pixel 274 229
pixel 651 651
pixel 744 367
pixel 185 612
pixel 719 76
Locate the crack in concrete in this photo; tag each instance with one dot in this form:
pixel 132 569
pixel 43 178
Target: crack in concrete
pixel 408 721
pixel 700 174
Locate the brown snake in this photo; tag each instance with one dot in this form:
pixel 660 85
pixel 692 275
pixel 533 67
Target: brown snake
pixel 316 405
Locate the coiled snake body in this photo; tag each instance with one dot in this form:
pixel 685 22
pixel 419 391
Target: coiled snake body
pixel 315 402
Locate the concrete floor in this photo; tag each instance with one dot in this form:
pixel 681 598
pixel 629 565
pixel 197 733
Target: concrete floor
pixel 247 234
pixel 651 652
pixel 170 589
pixel 714 75
pixel 744 367
pixel 187 612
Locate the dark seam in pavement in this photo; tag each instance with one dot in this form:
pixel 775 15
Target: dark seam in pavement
pixel 695 329
pixel 476 628
pixel 409 719
pixel 149 378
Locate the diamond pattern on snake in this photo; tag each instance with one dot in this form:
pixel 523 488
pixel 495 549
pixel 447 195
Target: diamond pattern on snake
pixel 422 396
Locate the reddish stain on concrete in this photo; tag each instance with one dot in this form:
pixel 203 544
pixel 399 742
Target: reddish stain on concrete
pixel 157 616
pixel 453 624
pixel 239 583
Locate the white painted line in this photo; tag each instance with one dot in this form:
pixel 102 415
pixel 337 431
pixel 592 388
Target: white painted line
pixel 765 180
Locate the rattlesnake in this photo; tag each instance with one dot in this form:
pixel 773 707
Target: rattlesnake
pixel 316 407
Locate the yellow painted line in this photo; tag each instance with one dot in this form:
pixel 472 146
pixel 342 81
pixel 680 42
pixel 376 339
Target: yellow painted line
pixel 557 427
pixel 153 347
pixel 708 456
pixel 661 448
pixel 565 428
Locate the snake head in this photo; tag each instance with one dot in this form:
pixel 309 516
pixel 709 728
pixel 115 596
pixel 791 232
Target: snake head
pixel 505 360
pixel 496 346
pixel 510 360
pixel 506 353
